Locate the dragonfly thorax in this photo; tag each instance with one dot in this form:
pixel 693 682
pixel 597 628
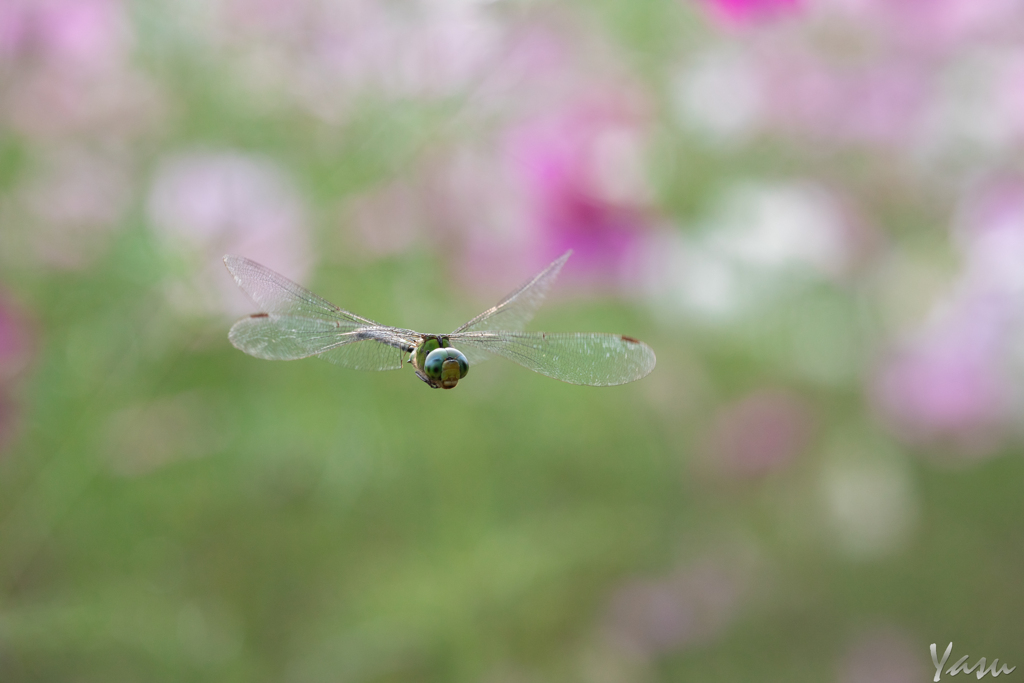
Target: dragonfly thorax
pixel 439 364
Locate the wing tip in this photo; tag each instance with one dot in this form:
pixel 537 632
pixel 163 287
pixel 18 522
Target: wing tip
pixel 230 261
pixel 650 358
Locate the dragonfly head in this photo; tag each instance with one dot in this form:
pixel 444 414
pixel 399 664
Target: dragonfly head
pixel 446 366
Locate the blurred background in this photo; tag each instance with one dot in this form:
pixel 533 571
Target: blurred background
pixel 813 210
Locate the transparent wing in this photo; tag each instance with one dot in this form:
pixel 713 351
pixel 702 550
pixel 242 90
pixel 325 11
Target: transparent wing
pixel 366 355
pixel 276 294
pixel 593 359
pixel 287 337
pixel 295 323
pixel 515 310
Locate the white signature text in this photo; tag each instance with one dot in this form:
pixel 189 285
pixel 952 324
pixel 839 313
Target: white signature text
pixel 961 665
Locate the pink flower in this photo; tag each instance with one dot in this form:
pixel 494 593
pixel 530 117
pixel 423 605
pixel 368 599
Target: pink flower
pixel 207 204
pixel 745 12
pixel 692 606
pixel 74 202
pixel 930 25
pixel 880 103
pixel 326 54
pixel 71 73
pixel 762 432
pixel 74 34
pixel 583 180
pixel 990 231
pixel 951 383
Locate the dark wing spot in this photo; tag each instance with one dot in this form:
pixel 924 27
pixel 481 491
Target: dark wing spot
pixel 260 315
pixel 630 339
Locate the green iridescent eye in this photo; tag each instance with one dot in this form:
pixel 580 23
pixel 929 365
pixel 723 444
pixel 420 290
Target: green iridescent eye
pixel 425 348
pixel 446 365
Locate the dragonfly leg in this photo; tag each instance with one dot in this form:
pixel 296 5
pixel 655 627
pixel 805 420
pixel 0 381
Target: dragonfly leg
pixel 426 379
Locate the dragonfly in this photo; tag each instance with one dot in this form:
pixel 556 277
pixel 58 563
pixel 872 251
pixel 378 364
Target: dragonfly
pixel 294 323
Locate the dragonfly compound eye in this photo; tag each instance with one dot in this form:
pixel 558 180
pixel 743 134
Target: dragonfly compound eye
pixel 425 348
pixel 446 366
